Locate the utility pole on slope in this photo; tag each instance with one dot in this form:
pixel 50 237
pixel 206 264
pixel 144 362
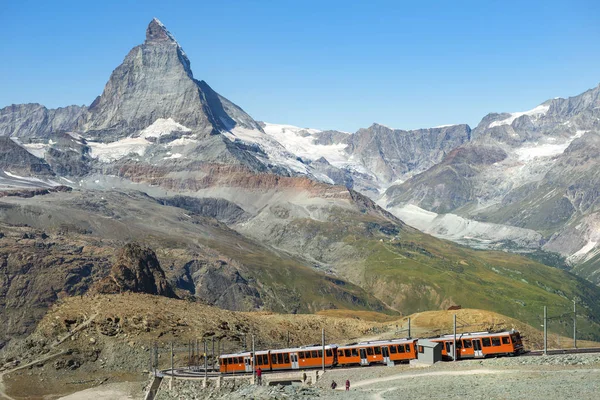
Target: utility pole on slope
pixel 323 345
pixel 574 323
pixel 545 331
pixel 454 344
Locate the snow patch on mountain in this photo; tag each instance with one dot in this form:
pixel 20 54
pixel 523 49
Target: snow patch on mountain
pixel 536 112
pixel 276 153
pixel 529 152
pixel 107 152
pixel 35 149
pixel 162 127
pixel 300 141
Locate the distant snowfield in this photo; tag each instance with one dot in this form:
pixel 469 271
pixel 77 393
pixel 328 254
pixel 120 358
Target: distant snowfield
pixel 300 141
pixel 107 152
pixel 462 230
pixel 536 112
pixel 529 152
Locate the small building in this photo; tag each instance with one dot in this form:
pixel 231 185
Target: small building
pixel 429 352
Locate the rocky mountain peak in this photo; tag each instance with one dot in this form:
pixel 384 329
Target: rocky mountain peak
pixel 157 32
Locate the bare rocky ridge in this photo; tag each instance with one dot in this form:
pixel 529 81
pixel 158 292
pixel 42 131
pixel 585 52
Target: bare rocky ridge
pixel 394 154
pixel 36 121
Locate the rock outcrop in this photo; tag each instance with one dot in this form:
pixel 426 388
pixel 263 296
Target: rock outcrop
pixel 136 270
pixel 16 160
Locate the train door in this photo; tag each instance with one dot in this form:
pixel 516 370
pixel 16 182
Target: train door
pixel 363 357
pixel 294 360
pixel 248 364
pixel 385 352
pixel 477 348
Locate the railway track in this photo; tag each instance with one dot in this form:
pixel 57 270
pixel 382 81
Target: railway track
pixel 199 374
pixel 562 351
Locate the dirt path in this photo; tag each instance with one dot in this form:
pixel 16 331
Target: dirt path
pixel 113 391
pixel 379 395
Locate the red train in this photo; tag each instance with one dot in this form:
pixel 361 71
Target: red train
pixel 468 345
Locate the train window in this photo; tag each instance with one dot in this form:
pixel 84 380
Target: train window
pixel 393 349
pixel 408 348
pixel 347 352
pixel 286 358
pixel 467 343
pixel 273 358
pixel 486 342
pixel 328 352
pixel 354 353
pixel 448 347
pixel 224 361
pixel 505 340
pixel 421 350
pixel 265 359
pixel 301 354
pixel 307 354
pixel 315 354
pixel 400 348
pixel 279 358
pixel 320 353
pixel 377 350
pixel 259 360
pixel 516 338
pixel 495 341
pixel 369 351
pixel 458 344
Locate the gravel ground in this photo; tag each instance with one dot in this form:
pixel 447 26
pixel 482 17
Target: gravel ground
pixel 551 377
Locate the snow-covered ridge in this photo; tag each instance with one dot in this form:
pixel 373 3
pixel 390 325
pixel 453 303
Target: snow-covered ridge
pixel 536 112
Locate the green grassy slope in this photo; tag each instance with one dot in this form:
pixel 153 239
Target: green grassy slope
pixel 411 271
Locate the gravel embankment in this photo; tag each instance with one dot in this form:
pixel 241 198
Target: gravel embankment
pixel 547 378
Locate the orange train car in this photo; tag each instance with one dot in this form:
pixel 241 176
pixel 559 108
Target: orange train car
pixel 377 352
pixel 280 359
pixel 481 344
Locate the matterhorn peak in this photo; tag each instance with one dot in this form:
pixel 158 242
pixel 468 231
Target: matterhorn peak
pixel 157 32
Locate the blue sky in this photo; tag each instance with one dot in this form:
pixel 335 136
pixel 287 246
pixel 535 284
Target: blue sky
pixel 322 64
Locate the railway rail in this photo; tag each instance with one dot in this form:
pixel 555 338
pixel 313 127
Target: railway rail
pixel 187 373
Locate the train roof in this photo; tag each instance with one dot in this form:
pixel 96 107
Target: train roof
pixel 305 348
pixel 377 343
pixel 242 354
pixel 475 335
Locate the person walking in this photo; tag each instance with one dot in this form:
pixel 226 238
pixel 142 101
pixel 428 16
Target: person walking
pixel 347 384
pixel 259 376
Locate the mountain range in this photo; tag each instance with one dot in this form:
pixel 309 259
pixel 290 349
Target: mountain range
pixel 247 215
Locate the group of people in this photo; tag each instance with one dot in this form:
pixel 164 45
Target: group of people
pixel 333 383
